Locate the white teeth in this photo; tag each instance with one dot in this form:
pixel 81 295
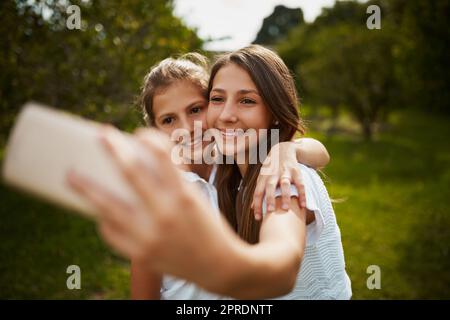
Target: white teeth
pixel 231 133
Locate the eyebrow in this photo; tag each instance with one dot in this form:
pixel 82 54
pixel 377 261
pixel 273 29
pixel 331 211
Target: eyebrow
pixel 171 114
pixel 242 91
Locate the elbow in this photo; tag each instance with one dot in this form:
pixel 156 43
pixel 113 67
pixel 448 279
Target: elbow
pixel 290 283
pixel 282 278
pixel 288 278
pixel 325 159
pixel 261 278
pixel 323 155
pixel 276 284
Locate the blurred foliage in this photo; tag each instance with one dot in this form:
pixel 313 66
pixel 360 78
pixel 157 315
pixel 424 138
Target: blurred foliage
pixel 356 72
pixel 423 51
pixel 277 25
pixel 95 71
pixel 340 63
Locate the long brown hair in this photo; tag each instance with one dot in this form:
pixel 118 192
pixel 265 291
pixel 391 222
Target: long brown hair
pixel 192 67
pixel 276 87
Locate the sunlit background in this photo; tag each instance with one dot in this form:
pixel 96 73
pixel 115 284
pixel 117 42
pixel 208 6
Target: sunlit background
pixel 233 24
pixel 378 99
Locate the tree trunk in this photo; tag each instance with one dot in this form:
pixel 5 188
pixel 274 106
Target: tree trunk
pixel 367 130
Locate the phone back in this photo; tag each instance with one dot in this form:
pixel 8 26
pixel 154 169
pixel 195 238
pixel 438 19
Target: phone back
pixel 45 144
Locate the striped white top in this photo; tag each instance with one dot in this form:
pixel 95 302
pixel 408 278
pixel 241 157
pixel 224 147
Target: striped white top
pixel 322 272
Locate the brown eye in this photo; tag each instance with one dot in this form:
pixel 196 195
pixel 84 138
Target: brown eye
pixel 216 99
pixel 167 120
pixel 196 110
pixel 248 101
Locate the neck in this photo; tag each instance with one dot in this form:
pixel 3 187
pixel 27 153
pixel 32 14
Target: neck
pixel 203 170
pixel 243 168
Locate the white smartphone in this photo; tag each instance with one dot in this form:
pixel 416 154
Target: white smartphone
pixel 45 143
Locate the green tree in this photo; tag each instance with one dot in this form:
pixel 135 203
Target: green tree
pixel 420 31
pixel 276 26
pixel 423 51
pixel 353 68
pixel 95 71
pixel 340 63
pixel 298 46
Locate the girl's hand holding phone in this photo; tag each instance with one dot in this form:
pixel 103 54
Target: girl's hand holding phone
pixel 171 228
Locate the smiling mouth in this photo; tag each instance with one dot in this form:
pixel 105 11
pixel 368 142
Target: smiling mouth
pixel 231 133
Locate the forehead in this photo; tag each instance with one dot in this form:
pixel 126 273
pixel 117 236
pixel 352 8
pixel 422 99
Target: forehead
pixel 233 77
pixel 176 97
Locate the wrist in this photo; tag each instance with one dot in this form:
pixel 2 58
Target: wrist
pixel 248 273
pixel 232 267
pixel 292 150
pixel 287 150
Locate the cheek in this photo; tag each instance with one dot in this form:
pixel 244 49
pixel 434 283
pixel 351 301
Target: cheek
pixel 266 117
pixel 203 118
pixel 258 118
pixel 167 131
pixel 211 116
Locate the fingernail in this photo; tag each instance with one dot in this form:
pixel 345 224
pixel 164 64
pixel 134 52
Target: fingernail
pixel 270 207
pixel 303 204
pixel 285 206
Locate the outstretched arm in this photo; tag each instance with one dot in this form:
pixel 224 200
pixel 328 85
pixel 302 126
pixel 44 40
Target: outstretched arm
pixel 145 283
pixel 160 229
pixel 269 268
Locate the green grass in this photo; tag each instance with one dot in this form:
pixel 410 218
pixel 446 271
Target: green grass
pixel 38 243
pixel 395 215
pixel 396 211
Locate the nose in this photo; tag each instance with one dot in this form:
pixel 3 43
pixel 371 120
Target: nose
pixel 187 125
pixel 229 112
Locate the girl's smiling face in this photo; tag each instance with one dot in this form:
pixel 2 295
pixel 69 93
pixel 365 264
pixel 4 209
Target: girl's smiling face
pixel 177 107
pixel 235 105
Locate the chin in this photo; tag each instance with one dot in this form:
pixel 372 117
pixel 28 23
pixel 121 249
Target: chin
pixel 231 149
